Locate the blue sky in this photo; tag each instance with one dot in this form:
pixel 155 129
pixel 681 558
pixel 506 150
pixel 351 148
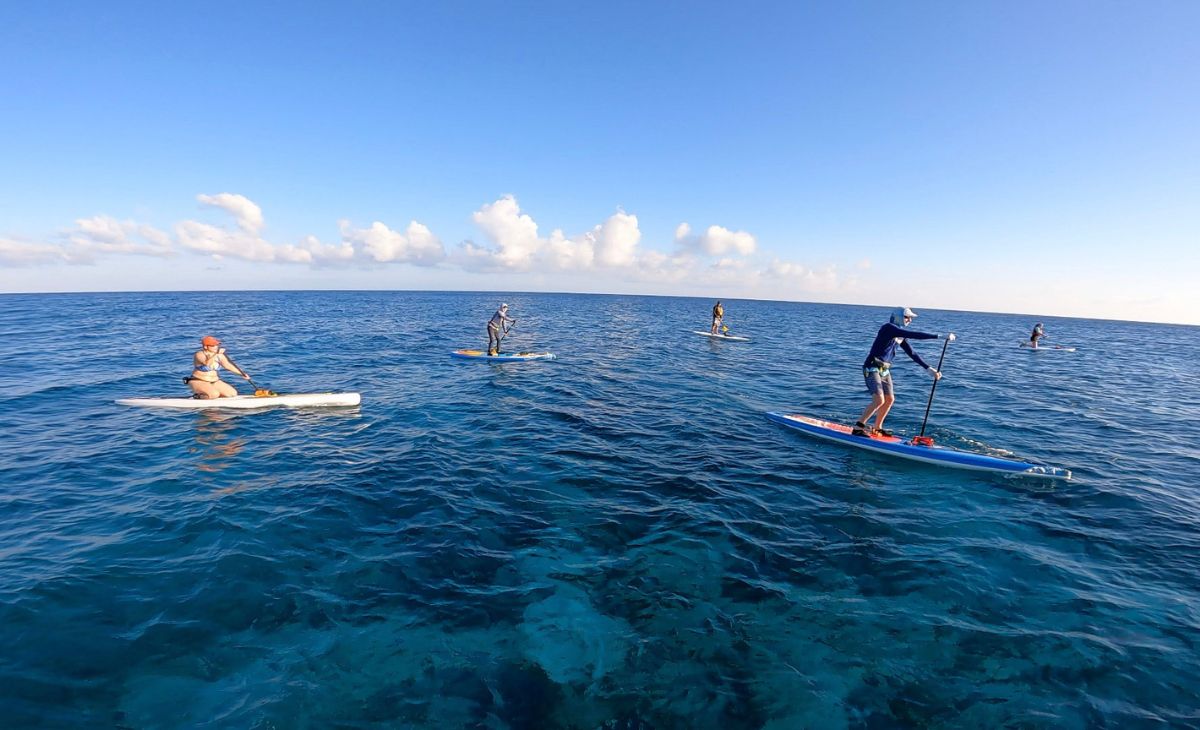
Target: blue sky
pixel 1009 156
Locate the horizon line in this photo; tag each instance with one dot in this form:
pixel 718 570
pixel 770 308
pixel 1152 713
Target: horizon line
pixel 599 294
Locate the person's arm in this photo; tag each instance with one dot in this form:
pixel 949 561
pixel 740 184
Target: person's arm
pixel 915 357
pixel 912 334
pixel 203 359
pixel 230 366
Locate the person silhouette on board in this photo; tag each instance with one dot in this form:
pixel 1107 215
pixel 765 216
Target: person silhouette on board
pixel 496 329
pixel 718 314
pixel 204 381
pixel 1038 333
pixel 877 368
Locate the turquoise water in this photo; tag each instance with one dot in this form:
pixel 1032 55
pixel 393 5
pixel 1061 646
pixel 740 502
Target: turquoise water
pixel 617 539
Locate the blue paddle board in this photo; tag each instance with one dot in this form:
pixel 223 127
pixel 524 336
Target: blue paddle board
pixel 515 357
pixel 932 454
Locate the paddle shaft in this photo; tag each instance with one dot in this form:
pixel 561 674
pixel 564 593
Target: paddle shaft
pixel 243 372
pixel 934 388
pixel 504 333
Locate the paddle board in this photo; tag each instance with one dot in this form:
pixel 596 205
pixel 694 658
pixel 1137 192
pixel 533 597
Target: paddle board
pixel 934 454
pixel 514 357
pixel 296 400
pixel 722 337
pixel 1046 348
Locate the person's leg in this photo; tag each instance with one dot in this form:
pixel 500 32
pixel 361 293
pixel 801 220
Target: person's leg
pixel 203 390
pixel 889 398
pixel 225 389
pixel 875 385
pixel 876 402
pixel 493 340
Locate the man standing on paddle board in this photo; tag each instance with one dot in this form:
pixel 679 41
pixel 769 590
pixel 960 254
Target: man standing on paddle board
pixel 718 315
pixel 877 368
pixel 496 329
pixel 1038 333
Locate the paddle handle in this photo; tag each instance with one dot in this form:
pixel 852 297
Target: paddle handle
pixel 934 388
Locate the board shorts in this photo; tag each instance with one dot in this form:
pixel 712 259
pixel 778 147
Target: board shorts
pixel 878 382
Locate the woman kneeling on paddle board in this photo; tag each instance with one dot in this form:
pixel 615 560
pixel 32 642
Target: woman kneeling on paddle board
pixel 877 368
pixel 204 381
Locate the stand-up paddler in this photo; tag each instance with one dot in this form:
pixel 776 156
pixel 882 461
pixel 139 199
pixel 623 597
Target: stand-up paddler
pixel 496 328
pixel 877 368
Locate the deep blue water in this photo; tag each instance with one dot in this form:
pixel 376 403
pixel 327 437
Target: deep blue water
pixel 618 539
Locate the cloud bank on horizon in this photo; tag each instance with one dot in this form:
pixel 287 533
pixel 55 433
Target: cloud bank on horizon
pixel 511 243
pixel 512 252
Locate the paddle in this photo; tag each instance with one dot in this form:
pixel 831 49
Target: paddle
pixel 504 334
pixel 258 392
pixel 924 440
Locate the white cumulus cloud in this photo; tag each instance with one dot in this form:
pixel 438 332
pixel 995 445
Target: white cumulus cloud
pixel 17 252
pixel 246 212
pixel 518 247
pixel 617 239
pixel 802 277
pixel 417 245
pixel 104 234
pixel 514 232
pixel 716 241
pixel 609 254
pixel 91 238
pixel 220 241
pixel 243 240
pixel 327 252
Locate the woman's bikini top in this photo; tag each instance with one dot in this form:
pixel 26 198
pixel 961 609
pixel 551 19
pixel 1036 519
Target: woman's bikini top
pixel 213 366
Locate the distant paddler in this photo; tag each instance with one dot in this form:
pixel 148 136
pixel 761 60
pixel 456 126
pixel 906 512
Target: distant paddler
pixel 718 314
pixel 1038 333
pixel 497 330
pixel 877 368
pixel 204 380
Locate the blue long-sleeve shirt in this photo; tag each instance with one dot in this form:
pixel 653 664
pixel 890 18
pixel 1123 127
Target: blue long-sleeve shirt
pixel 889 338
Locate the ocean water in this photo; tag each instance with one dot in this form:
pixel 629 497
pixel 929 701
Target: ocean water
pixel 617 539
